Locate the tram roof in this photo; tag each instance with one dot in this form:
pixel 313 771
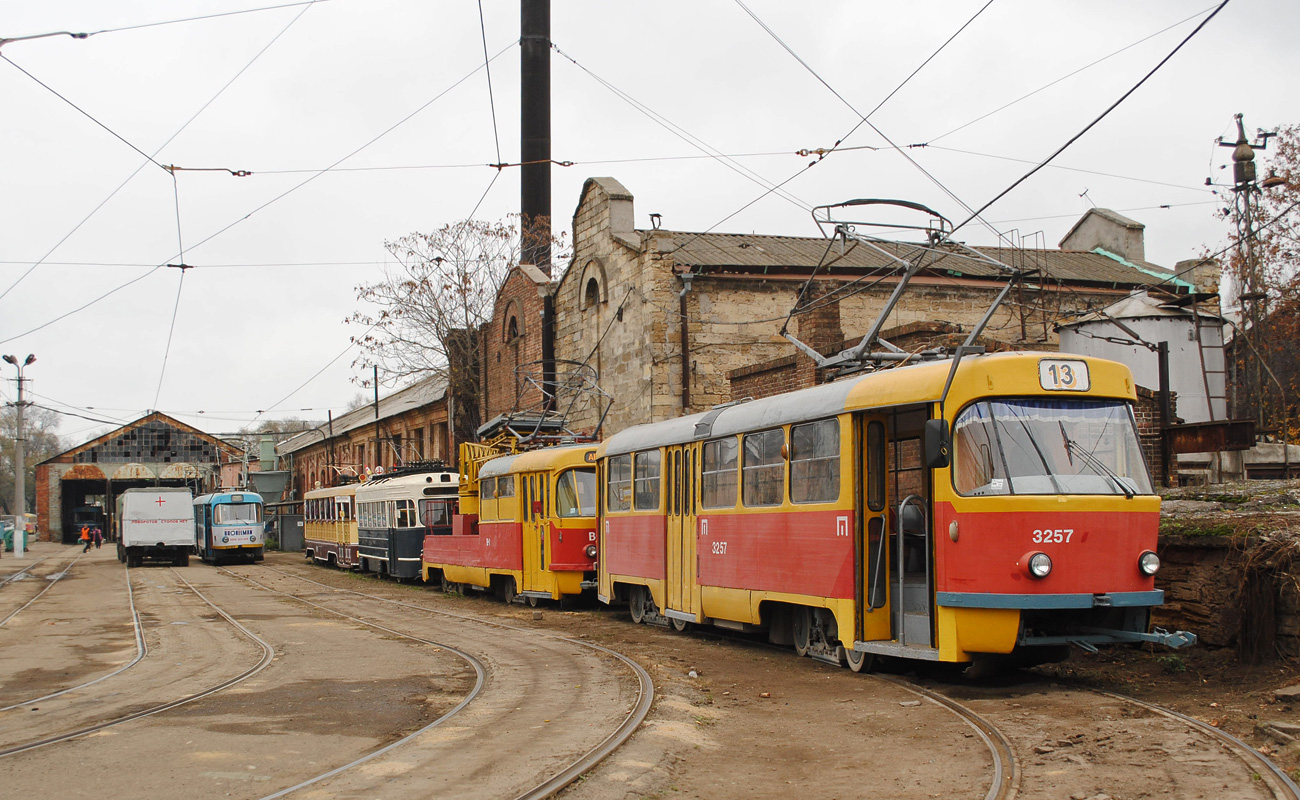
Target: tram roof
pixel 344 489
pixel 228 496
pixel 540 459
pixel 390 486
pixel 1003 373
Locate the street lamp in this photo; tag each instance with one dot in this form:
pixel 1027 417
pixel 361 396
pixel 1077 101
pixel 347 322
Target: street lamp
pixel 20 465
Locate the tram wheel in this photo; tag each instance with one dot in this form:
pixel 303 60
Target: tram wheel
pixel 801 627
pixel 679 625
pixel 506 590
pixel 533 602
pixel 859 662
pixel 636 603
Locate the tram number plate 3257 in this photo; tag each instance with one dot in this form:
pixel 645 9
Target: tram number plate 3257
pixel 1063 375
pixel 1050 536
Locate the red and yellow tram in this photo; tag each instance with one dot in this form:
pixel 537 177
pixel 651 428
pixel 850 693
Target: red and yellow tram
pixel 928 512
pixel 526 525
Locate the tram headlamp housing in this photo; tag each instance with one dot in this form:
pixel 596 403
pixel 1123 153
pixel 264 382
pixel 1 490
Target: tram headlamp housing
pixel 1149 563
pixel 1040 565
pixel 590 551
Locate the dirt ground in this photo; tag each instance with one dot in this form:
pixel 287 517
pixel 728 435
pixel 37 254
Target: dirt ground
pixel 734 718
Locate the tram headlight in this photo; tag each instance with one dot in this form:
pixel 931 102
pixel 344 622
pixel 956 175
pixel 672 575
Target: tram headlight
pixel 1149 563
pixel 590 551
pixel 1040 565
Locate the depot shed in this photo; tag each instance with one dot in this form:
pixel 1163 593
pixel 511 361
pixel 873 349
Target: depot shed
pixel 155 450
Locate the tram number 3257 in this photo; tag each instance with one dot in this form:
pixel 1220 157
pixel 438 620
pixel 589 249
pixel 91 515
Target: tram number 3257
pixel 719 548
pixel 1053 536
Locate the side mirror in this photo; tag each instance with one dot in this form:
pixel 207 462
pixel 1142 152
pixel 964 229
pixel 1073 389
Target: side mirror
pixel 938 444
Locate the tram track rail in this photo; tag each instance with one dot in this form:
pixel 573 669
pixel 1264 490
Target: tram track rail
pixel 592 757
pixel 17 575
pixel 268 654
pixel 51 581
pixel 1006 769
pixel 1273 776
pixel 141 650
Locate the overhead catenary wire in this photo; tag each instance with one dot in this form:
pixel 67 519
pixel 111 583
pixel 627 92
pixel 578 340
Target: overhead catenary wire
pixel 1067 76
pixel 169 140
pixel 143 25
pixel 824 153
pixel 266 204
pixel 976 214
pixel 685 135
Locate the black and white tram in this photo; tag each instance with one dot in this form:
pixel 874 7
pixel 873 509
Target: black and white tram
pixel 390 532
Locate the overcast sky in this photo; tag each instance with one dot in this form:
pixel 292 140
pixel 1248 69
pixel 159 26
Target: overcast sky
pixel 277 255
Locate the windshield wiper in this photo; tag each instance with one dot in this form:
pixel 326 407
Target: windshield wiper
pixel 1092 461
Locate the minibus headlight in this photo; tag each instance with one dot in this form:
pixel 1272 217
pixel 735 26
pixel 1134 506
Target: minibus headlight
pixel 1149 563
pixel 1040 565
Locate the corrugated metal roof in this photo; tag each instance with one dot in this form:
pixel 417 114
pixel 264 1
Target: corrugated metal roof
pixel 776 255
pixel 421 393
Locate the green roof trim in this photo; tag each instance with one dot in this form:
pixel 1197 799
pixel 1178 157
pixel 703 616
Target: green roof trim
pixel 1164 276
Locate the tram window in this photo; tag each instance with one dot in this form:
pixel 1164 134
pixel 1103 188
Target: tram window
pixel 763 472
pixel 406 517
pixel 719 461
pixel 437 515
pixel 618 495
pixel 487 503
pixel 238 512
pixel 646 483
pixel 876 466
pixel 907 468
pixel 506 505
pixel 345 510
pixel 815 462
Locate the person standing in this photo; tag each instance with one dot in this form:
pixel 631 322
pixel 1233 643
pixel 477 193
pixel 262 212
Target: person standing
pixel 98 536
pixel 85 538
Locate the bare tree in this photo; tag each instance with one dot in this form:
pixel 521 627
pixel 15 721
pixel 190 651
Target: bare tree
pixel 430 305
pixel 42 441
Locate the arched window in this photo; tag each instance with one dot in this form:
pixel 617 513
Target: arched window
pixel 512 329
pixel 591 294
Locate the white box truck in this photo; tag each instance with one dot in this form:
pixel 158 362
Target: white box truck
pixel 157 524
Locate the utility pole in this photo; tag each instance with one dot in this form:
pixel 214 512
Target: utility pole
pixel 1250 282
pixel 379 453
pixel 20 465
pixel 535 158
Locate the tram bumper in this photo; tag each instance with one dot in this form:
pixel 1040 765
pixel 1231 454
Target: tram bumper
pixel 1087 639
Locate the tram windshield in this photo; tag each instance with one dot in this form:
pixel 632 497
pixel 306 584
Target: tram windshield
pixel 575 493
pixel 228 513
pixel 1048 447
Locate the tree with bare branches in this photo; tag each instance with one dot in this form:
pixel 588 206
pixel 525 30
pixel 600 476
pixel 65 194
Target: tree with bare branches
pixel 429 306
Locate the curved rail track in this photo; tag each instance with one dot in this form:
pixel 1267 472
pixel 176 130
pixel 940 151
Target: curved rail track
pixel 268 653
pixel 547 788
pixel 1278 782
pixel 141 650
pixel 13 576
pixel 52 579
pixel 1006 770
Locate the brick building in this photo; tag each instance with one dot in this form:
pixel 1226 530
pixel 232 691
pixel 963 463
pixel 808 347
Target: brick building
pixel 155 450
pixel 410 425
pixel 511 340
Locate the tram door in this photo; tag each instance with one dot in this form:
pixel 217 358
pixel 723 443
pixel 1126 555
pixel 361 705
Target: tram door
pixel 875 565
pixel 683 592
pixel 533 531
pixel 910 550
